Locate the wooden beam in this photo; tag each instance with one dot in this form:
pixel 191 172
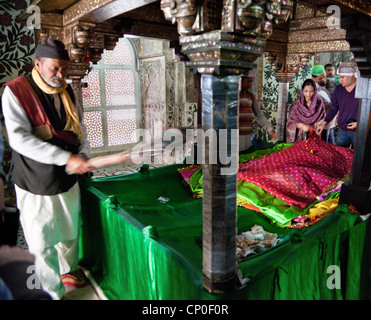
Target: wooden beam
pixel 151 30
pixel 102 10
pixel 48 6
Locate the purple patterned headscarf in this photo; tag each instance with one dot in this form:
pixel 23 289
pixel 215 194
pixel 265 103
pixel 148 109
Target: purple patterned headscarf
pixel 299 112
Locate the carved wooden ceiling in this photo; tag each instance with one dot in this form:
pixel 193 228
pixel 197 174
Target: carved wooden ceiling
pixel 56 6
pixel 145 18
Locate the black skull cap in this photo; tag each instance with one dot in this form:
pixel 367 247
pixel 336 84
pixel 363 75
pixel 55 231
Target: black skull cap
pixel 50 48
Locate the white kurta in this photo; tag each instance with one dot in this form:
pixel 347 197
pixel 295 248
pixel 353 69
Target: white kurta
pixel 21 140
pixel 50 223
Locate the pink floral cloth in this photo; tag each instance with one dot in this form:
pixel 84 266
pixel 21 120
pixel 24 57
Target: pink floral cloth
pixel 301 172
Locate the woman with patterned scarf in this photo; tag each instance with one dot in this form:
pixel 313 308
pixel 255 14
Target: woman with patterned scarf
pixel 305 111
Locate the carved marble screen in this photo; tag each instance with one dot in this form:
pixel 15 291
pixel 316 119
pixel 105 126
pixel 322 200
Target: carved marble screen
pixel 153 93
pixel 111 100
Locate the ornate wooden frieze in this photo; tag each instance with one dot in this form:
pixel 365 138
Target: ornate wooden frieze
pixel 82 8
pixel 304 12
pixel 309 33
pixel 287 63
pixel 228 40
pixel 313 23
pixel 52 19
pixel 318 46
pixel 51 25
pixel 323 34
pixel 279 36
pixel 100 10
pixel 361 6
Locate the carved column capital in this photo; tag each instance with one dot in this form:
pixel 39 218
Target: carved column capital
pixel 224 38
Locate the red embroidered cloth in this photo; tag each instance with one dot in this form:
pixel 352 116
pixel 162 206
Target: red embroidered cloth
pixel 301 172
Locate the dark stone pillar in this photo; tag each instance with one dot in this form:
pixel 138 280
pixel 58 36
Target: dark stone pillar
pixel 219 115
pixel 358 191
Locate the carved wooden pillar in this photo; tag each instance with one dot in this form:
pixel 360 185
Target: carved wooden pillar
pixel 221 40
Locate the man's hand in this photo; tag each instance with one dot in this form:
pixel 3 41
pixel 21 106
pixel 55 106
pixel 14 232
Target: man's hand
pixel 303 126
pixel 352 125
pixel 319 126
pixel 78 165
pixel 273 135
pixel 12 254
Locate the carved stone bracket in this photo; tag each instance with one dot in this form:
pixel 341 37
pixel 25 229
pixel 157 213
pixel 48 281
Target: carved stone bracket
pixel 84 40
pixel 77 40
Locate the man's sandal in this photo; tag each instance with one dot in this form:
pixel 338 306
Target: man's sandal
pixel 73 280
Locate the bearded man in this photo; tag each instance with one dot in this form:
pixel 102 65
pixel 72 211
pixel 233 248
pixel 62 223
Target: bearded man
pixel 49 151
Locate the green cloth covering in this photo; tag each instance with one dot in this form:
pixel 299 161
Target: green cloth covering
pixel 137 247
pixel 276 209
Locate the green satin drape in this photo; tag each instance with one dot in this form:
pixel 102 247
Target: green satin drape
pixel 138 246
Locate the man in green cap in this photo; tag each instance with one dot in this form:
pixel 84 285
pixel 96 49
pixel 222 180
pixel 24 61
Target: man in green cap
pixel 319 77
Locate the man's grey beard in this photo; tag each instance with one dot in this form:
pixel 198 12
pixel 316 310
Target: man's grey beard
pixel 53 84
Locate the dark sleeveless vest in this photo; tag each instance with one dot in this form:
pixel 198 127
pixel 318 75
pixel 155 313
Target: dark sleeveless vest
pixel 30 175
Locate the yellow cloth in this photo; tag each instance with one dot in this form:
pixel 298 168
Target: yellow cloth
pixel 323 207
pixel 72 118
